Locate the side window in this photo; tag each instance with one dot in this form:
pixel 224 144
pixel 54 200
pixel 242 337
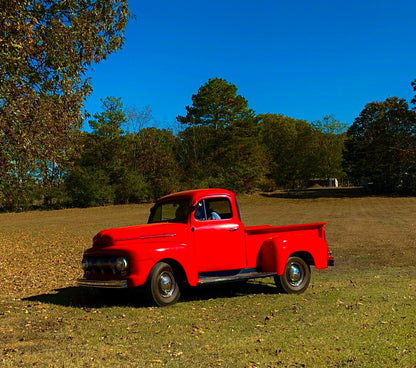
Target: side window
pixel 213 209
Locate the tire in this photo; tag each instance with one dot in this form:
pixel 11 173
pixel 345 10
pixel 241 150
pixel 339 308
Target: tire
pixel 296 277
pixel 161 287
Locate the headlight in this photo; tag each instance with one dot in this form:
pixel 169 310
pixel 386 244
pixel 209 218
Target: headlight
pixel 122 265
pixel 86 264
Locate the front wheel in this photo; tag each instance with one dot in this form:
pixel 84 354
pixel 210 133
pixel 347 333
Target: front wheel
pixel 295 278
pixel 162 288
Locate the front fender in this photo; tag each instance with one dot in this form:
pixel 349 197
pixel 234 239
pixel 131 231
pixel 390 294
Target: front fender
pixel 180 253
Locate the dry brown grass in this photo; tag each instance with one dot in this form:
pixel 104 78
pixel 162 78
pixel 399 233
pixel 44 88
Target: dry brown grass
pixel 358 314
pixel 40 251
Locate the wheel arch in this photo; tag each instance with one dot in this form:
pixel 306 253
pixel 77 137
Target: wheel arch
pixel 306 256
pixel 178 269
pixel 180 257
pixel 296 276
pixel 286 249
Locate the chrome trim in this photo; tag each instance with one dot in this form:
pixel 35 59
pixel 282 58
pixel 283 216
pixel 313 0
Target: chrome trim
pixel 147 237
pixel 157 236
pixel 205 279
pixel 114 284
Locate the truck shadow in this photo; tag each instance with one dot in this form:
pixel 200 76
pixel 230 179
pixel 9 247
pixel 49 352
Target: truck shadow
pixel 229 290
pixel 78 297
pixel 91 298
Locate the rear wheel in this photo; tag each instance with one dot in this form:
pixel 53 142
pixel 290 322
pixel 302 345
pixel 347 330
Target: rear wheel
pixel 162 288
pixel 295 278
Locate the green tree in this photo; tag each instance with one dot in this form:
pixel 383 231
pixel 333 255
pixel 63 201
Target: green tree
pixel 88 187
pixel 220 147
pixel 291 146
pixel 155 160
pixel 106 148
pixel 217 105
pixel 243 164
pixel 101 162
pixel 90 182
pixel 123 167
pixel 414 89
pixel 380 146
pixel 330 135
pixel 108 124
pixel 197 153
pixel 46 48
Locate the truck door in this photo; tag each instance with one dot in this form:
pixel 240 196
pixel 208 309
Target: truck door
pixel 218 236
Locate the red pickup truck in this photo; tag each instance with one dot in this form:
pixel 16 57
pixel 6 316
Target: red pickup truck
pixel 196 237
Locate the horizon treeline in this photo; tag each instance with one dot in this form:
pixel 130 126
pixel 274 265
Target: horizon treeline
pixel 221 143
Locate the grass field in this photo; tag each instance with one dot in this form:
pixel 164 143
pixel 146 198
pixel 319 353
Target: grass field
pixel 360 313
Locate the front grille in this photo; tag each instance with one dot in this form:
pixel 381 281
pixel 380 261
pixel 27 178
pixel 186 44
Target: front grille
pixel 104 265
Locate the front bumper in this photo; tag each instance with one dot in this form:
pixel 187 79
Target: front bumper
pixel 106 284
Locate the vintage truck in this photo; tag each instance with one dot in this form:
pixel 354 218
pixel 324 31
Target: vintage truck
pixel 196 237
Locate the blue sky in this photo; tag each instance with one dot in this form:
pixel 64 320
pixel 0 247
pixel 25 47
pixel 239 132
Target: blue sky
pixel 301 58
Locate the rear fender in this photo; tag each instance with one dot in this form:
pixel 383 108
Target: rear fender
pixel 276 251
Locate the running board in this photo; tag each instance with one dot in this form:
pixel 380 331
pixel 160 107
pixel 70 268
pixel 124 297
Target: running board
pixel 212 278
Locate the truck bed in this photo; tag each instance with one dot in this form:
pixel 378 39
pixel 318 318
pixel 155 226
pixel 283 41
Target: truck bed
pixel 256 236
pixel 267 229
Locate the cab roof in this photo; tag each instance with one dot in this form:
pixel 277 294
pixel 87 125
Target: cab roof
pixel 195 194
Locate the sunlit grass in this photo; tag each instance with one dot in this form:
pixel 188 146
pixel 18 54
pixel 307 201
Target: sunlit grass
pixel 361 313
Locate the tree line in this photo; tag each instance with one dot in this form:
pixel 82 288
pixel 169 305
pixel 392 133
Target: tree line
pixel 48 160
pixel 222 143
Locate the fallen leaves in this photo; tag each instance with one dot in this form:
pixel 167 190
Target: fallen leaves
pixel 36 263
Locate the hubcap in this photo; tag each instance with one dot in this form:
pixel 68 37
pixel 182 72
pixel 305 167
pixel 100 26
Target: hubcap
pixel 166 284
pixel 295 275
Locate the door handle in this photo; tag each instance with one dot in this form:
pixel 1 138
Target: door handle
pixel 234 228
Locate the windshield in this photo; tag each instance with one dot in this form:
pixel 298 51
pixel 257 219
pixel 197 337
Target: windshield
pixel 174 211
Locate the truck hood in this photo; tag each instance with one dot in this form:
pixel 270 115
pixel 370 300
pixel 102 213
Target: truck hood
pixel 133 234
